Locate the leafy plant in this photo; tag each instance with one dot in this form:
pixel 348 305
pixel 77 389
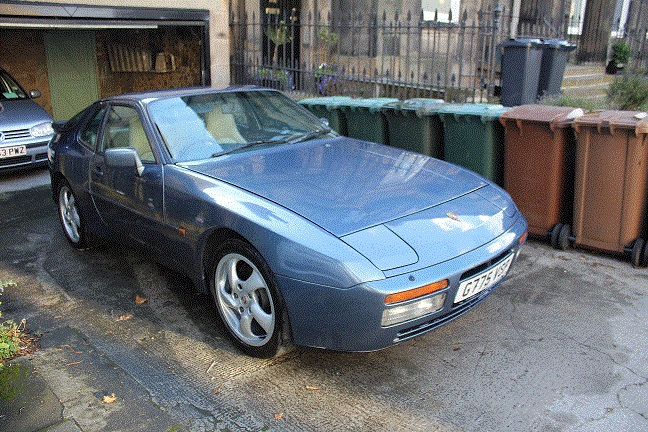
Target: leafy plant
pixel 279 34
pixel 629 92
pixel 282 76
pixel 621 53
pixel 10 335
pixel 10 332
pixel 327 78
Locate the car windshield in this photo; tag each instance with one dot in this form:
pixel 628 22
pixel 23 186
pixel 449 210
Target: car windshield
pixel 214 124
pixel 9 87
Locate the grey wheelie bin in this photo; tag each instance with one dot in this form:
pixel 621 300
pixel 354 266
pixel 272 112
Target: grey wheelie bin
pixel 521 61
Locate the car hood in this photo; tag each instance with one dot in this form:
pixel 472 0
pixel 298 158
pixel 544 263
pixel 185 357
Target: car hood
pixel 22 114
pixel 341 184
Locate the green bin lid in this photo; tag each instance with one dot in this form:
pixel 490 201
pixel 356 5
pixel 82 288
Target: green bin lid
pixel 330 102
pixel 485 112
pixel 372 104
pixel 422 106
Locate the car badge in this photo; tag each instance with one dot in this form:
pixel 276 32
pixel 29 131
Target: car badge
pixel 453 216
pixel 2 137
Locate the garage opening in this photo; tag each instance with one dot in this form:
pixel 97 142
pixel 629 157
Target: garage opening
pixel 74 62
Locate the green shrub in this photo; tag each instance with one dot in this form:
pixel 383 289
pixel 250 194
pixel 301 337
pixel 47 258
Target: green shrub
pixel 10 332
pixel 621 53
pixel 629 92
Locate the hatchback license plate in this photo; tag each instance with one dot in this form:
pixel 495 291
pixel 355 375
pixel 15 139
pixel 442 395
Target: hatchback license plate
pixel 8 152
pixel 484 280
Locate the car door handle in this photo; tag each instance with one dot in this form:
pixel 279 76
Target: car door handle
pixel 97 170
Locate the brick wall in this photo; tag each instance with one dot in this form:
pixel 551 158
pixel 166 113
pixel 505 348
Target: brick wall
pixel 22 54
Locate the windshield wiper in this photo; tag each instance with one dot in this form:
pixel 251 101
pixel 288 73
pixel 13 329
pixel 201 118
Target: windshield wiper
pixel 310 135
pixel 282 139
pixel 275 140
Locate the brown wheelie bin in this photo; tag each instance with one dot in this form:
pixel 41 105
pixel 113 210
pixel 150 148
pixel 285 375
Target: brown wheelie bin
pixel 611 183
pixel 539 147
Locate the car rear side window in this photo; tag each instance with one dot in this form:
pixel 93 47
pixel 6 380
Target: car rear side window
pixel 124 129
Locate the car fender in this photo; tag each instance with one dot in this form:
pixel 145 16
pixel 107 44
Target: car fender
pixel 292 246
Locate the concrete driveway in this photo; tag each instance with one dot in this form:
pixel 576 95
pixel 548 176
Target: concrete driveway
pixel 562 344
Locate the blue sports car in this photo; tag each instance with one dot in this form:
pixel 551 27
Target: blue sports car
pixel 301 236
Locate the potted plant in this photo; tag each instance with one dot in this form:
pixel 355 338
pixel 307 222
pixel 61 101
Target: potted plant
pixel 620 56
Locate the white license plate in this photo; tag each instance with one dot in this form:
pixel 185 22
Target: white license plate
pixel 484 280
pixel 7 152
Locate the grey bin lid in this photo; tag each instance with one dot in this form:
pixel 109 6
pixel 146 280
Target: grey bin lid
pixel 522 43
pixel 559 44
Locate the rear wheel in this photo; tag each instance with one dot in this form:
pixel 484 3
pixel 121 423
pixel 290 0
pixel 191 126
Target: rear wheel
pixel 72 221
pixel 554 235
pixel 564 237
pixel 637 257
pixel 246 298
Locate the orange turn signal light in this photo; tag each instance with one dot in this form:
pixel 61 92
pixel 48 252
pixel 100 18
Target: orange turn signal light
pixel 416 292
pixel 524 237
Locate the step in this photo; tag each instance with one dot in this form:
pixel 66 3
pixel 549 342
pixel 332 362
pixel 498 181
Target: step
pixel 598 91
pixel 587 80
pixel 584 69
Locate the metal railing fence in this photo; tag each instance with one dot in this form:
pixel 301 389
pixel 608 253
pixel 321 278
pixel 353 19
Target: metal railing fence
pixel 376 55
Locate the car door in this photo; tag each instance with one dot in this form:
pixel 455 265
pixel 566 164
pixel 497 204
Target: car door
pixel 128 202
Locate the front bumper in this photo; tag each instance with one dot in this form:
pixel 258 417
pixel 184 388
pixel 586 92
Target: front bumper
pixel 36 155
pixel 350 319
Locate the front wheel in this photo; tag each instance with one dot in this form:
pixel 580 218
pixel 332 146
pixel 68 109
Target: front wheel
pixel 72 222
pixel 246 298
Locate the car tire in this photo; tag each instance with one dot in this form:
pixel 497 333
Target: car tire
pixel 564 238
pixel 637 253
pixel 71 218
pixel 247 299
pixel 555 233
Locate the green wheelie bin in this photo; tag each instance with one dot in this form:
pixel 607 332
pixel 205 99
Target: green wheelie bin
pixel 474 138
pixel 329 109
pixel 365 119
pixel 415 125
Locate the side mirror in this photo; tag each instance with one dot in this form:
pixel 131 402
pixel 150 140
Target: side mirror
pixel 34 94
pixel 59 125
pixel 126 157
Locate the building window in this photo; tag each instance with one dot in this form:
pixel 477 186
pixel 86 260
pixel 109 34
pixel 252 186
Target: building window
pixel 442 10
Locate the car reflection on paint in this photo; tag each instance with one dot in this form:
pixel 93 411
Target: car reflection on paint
pixel 300 235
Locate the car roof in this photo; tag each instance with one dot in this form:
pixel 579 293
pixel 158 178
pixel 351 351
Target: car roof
pixel 149 96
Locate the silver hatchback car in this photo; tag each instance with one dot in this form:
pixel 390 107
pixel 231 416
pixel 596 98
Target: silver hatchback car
pixel 25 127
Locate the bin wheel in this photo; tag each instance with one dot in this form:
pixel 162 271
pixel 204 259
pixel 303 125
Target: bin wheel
pixel 555 232
pixel 644 259
pixel 563 237
pixel 637 253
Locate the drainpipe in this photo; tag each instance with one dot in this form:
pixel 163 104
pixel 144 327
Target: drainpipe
pixel 515 18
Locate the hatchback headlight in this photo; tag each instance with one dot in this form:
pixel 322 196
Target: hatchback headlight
pixel 41 130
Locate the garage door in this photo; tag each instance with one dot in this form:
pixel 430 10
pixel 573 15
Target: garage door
pixel 72 69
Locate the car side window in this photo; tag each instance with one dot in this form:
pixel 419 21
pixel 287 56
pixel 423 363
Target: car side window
pixel 91 131
pixel 124 129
